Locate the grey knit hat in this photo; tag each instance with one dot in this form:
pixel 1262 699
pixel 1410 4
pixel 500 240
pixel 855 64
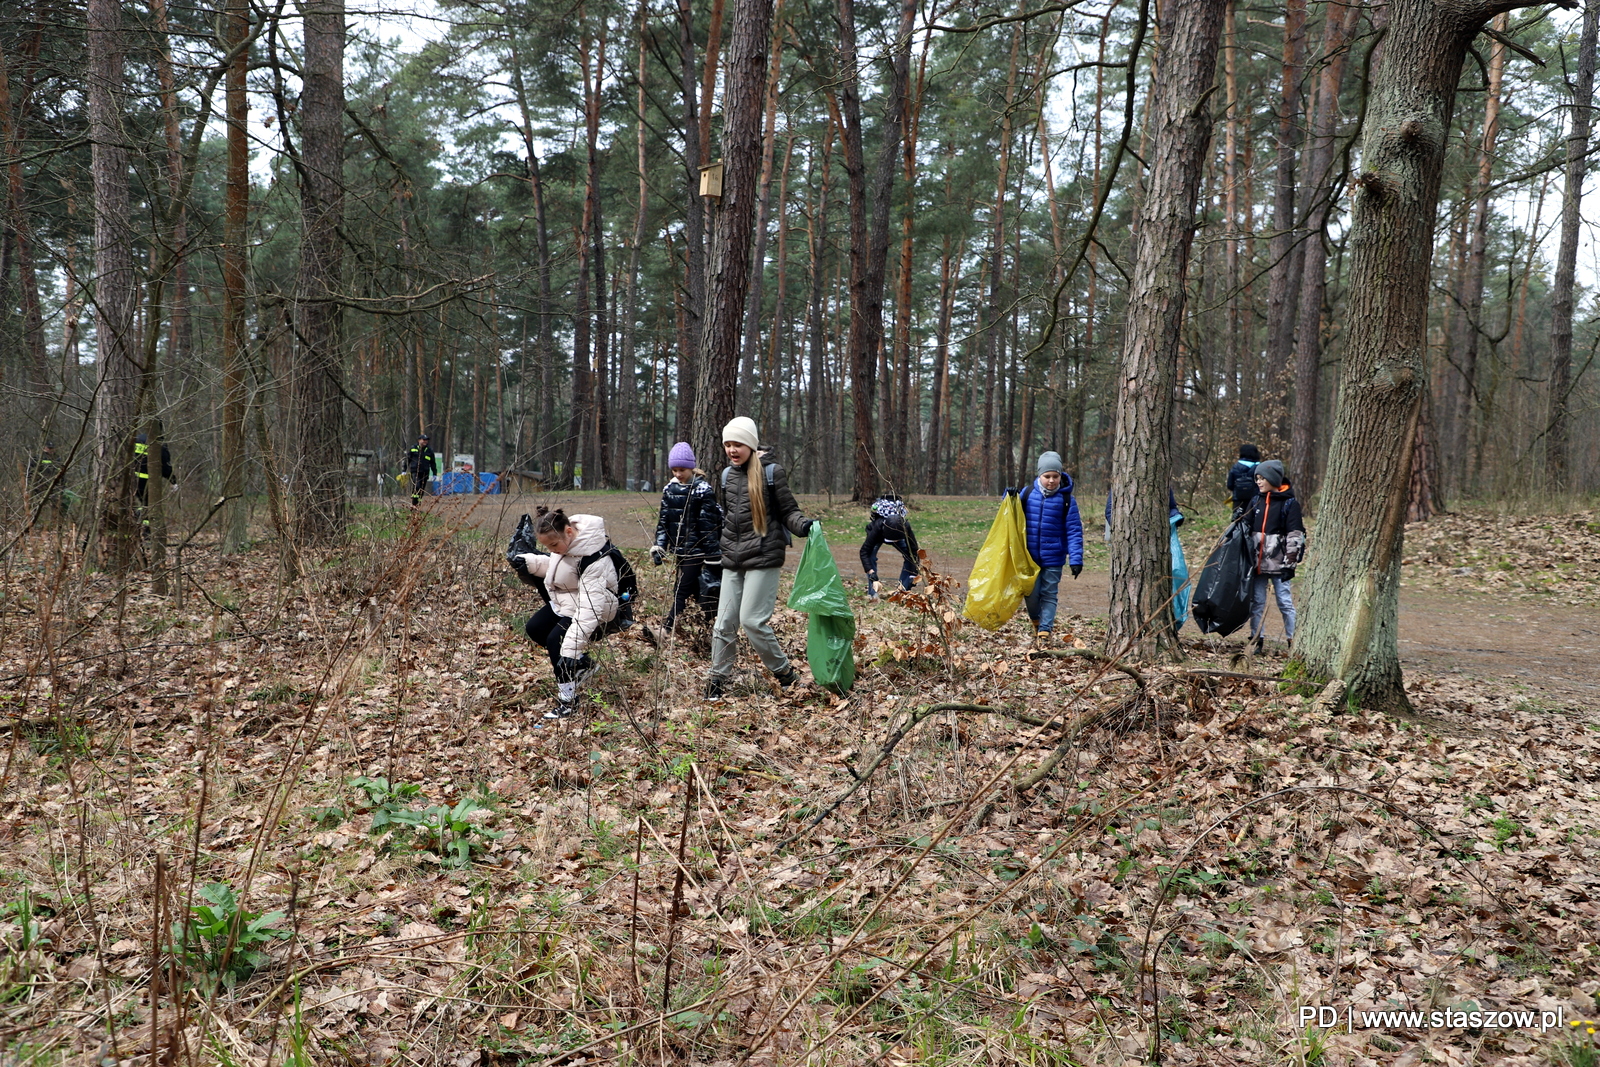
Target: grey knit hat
pixel 1272 470
pixel 1050 461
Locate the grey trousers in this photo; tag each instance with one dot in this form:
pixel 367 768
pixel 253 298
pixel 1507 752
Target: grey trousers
pixel 747 600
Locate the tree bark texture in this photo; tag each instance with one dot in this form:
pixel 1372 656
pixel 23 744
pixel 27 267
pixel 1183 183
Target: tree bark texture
pixel 319 318
pixel 1285 248
pixel 694 287
pixel 13 106
pixel 235 234
pixel 728 277
pixel 863 355
pixel 1163 230
pixel 1350 614
pixel 117 379
pixel 1557 435
pixel 1464 347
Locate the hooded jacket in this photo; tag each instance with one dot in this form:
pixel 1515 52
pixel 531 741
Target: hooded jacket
pixel 589 599
pixel 1277 532
pixel 691 522
pixel 1242 482
pixel 1055 532
pixel 743 547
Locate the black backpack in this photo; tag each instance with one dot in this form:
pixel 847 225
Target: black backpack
pixel 627 586
pixel 523 540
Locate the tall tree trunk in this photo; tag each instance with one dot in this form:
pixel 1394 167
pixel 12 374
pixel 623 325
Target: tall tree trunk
pixel 633 463
pixel 728 280
pixel 1141 572
pixel 696 134
pixel 903 462
pixel 1286 248
pixel 992 330
pixel 1350 632
pixel 1303 457
pixel 319 318
pixel 115 284
pixel 1557 436
pixel 751 345
pixel 235 234
pixel 545 344
pixel 1464 348
pixel 35 356
pixel 815 452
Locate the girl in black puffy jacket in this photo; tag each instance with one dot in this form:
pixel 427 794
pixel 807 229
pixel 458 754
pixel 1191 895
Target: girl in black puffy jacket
pixel 690 529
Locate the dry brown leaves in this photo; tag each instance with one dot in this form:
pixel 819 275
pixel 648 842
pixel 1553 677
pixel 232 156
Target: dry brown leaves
pixel 1545 557
pixel 1213 855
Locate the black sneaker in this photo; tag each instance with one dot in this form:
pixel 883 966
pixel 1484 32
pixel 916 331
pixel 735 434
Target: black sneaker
pixel 1259 646
pixel 788 677
pixel 563 709
pixel 716 688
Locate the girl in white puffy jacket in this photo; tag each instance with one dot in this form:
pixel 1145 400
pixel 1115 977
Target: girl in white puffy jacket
pixel 581 599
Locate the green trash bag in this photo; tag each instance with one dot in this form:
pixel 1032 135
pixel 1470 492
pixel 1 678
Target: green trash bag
pixel 1004 572
pixel 831 631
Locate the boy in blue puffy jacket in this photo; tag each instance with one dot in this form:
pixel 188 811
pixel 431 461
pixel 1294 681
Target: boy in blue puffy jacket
pixel 1055 537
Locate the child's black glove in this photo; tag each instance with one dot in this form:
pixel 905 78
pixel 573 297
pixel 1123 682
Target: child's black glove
pixel 1077 569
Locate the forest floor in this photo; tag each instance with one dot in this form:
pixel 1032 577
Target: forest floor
pixel 264 821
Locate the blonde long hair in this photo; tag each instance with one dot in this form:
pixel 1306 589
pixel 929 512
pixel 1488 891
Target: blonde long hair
pixel 755 486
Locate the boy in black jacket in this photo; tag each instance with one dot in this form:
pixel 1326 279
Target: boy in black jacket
pixel 1242 478
pixel 1277 545
pixel 890 525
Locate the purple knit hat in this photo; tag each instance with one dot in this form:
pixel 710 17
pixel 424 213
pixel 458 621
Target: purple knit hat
pixel 681 456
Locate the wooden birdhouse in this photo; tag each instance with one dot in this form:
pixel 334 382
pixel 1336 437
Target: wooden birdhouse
pixel 711 180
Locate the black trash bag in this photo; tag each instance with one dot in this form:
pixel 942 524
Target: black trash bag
pixel 524 540
pixel 1222 592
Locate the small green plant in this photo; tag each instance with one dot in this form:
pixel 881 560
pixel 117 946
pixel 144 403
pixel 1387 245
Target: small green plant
pixel 446 830
pixel 223 942
pixel 24 910
pixel 386 799
pixel 1505 828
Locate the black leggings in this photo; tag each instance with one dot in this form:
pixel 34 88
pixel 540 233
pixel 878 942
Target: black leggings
pixel 549 629
pixel 688 588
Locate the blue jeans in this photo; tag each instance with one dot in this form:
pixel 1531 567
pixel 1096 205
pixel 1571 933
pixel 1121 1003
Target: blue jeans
pixel 1042 601
pixel 1258 604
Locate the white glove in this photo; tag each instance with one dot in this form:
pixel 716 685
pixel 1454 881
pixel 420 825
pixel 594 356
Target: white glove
pixel 657 554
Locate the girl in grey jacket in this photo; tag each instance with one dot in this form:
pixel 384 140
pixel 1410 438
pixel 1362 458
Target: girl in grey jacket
pixel 757 507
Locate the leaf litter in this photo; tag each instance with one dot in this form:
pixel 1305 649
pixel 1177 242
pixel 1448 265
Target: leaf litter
pixel 661 880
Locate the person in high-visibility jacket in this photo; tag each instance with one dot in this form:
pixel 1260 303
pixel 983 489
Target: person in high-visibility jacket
pixel 141 464
pixel 421 466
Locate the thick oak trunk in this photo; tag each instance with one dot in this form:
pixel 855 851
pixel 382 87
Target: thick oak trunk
pixel 1349 630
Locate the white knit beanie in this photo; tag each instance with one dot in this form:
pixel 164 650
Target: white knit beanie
pixel 743 430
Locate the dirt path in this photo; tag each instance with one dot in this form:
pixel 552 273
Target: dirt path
pixel 1549 649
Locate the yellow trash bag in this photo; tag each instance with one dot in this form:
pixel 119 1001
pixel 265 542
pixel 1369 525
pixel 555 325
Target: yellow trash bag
pixel 1004 572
